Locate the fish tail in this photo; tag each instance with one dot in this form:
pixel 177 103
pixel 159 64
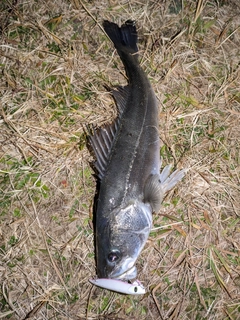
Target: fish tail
pixel 124 38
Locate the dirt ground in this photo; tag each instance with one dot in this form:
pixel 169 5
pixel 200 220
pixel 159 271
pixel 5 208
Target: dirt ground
pixel 55 62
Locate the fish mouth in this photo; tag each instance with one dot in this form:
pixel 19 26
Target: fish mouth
pixel 129 274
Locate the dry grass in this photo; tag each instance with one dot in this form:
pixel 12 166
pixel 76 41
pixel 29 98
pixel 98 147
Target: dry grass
pixel 55 60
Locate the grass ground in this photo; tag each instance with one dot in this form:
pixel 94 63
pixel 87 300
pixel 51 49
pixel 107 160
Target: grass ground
pixel 55 61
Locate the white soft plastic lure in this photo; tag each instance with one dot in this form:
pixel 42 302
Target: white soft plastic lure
pixel 119 286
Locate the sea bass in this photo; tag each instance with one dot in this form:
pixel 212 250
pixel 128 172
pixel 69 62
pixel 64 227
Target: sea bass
pixel 131 186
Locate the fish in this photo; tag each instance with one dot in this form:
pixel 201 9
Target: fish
pixel 128 166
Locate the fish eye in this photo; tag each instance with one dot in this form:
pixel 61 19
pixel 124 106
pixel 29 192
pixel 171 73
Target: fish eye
pixel 135 289
pixel 114 256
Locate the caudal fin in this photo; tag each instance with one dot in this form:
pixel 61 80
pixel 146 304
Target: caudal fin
pixel 124 38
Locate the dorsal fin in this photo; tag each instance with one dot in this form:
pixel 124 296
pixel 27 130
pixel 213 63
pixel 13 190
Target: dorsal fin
pixel 120 95
pixel 101 141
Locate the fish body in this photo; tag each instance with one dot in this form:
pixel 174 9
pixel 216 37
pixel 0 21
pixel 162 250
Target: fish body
pixel 128 165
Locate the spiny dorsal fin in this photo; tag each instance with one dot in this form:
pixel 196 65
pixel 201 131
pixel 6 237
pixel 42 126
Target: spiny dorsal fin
pixel 101 141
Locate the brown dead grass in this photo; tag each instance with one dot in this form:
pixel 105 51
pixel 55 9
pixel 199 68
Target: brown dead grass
pixel 55 60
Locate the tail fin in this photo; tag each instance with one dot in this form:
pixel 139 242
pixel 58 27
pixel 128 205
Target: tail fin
pixel 124 38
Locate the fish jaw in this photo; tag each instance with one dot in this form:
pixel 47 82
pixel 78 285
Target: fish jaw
pixel 121 240
pixel 130 274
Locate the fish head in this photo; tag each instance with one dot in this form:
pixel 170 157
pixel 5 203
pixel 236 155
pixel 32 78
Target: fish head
pixel 121 239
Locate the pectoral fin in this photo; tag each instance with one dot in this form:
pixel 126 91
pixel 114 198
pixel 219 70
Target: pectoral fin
pixel 168 181
pixel 158 184
pixel 153 192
